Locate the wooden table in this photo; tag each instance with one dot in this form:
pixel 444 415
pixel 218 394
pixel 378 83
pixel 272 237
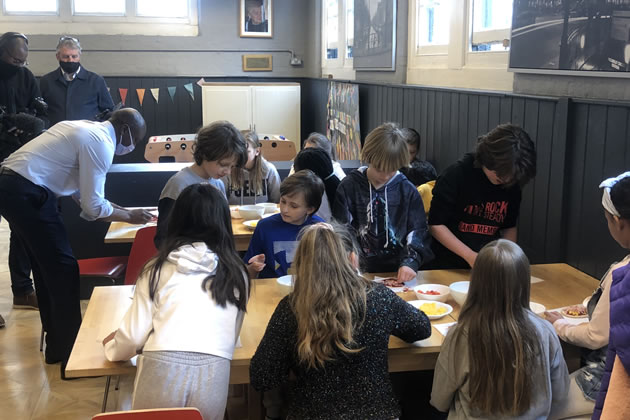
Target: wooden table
pixel 121 232
pixel 562 285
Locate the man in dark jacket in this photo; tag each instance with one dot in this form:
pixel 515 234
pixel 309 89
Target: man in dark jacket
pixel 19 95
pixel 71 91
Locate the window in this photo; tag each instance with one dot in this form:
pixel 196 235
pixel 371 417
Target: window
pixel 90 7
pixel 338 38
pixel 332 29
pixel 30 6
pixel 106 17
pixel 433 22
pixel 491 23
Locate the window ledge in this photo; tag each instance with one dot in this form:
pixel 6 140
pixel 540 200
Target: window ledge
pixel 106 28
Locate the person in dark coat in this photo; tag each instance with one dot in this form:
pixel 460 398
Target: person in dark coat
pixel 71 91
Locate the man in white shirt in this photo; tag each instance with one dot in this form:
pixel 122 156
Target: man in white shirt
pixel 71 158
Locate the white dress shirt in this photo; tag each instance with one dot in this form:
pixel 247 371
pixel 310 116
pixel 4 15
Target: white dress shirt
pixel 70 158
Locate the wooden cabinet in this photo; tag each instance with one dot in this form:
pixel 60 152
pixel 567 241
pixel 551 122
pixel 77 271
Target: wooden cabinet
pixel 265 108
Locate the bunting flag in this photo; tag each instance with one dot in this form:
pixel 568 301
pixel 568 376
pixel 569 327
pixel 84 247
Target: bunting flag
pixel 140 93
pixel 108 89
pixel 123 95
pixel 201 82
pixel 171 92
pixel 156 94
pixel 191 92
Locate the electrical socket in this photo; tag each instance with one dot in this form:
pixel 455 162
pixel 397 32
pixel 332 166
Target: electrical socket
pixel 296 61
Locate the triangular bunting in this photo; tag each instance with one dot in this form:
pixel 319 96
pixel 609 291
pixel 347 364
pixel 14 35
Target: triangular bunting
pixel 191 92
pixel 140 93
pixel 156 94
pixel 171 92
pixel 108 89
pixel 123 95
pixel 201 82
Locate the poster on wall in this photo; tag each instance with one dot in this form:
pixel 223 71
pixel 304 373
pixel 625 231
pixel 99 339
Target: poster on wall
pixel 578 37
pixel 343 120
pixel 374 35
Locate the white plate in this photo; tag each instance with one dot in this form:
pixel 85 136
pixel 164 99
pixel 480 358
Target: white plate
pixel 408 284
pixel 418 303
pixel 285 280
pixel 537 308
pixel 250 224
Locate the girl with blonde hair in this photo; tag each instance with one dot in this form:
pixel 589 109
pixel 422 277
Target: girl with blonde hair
pixel 500 360
pixel 332 331
pixel 257 181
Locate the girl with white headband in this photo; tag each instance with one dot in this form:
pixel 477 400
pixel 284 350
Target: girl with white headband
pixel 594 335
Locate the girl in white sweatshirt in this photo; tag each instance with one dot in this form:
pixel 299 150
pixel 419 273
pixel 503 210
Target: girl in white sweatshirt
pixel 187 310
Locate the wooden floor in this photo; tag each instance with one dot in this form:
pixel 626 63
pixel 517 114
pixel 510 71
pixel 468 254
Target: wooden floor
pixel 31 389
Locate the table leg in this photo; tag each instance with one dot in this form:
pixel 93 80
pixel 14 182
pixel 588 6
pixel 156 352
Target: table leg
pixel 105 395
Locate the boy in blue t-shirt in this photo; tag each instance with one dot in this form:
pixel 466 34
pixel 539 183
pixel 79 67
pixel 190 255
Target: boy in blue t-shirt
pixel 274 242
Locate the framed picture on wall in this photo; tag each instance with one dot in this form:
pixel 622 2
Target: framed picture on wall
pixel 374 35
pixel 255 18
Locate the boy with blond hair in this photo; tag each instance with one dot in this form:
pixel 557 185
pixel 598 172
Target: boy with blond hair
pixel 384 208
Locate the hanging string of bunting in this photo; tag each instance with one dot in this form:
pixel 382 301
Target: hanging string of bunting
pixel 155 92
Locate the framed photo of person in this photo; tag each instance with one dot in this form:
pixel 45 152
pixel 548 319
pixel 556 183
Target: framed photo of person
pixel 255 19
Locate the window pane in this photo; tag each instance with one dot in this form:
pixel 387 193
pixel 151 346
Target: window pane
pixel 29 6
pixel 163 8
pixel 108 7
pixel 349 27
pixel 332 29
pixel 434 22
pixel 492 20
pixel 492 14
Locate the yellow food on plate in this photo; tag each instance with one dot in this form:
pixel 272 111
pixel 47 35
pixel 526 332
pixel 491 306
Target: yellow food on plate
pixel 432 309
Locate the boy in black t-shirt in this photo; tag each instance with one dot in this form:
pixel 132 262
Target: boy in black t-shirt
pixel 477 199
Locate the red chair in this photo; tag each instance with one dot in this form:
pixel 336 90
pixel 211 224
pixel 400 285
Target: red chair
pixel 187 413
pixel 142 250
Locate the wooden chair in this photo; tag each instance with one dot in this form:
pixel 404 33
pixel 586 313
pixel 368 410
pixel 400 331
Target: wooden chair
pixel 187 413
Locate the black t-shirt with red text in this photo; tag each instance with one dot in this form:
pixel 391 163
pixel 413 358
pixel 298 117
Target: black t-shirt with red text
pixel 473 208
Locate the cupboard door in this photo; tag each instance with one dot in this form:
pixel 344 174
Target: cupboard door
pixel 276 110
pixel 231 103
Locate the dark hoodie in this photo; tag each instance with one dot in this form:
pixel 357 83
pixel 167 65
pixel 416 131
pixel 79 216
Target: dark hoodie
pixel 389 223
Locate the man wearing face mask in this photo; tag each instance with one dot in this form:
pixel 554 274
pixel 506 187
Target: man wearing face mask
pixel 18 96
pixel 70 158
pixel 71 91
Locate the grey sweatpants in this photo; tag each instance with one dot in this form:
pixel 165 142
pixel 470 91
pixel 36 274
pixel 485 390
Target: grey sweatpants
pixel 167 379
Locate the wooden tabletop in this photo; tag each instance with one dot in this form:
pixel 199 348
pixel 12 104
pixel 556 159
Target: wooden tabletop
pixel 121 232
pixel 561 285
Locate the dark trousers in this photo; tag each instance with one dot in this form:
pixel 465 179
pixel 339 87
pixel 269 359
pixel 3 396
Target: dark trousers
pixel 33 215
pixel 19 267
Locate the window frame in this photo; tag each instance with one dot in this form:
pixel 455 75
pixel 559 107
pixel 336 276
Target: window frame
pixel 341 67
pixel 65 21
pixel 457 66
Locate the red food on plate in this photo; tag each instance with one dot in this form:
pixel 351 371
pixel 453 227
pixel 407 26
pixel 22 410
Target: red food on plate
pixel 575 311
pixel 393 282
pixel 430 292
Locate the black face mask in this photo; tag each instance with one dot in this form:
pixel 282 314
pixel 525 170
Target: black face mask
pixel 7 70
pixel 69 67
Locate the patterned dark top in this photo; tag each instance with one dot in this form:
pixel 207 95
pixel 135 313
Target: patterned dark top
pixel 354 386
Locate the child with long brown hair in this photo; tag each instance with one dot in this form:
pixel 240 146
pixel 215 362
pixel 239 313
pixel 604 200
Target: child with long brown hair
pixel 257 181
pixel 500 360
pixel 333 331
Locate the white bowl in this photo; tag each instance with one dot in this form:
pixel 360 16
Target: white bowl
pixel 537 308
pixel 418 303
pixel 459 291
pixel 269 207
pixel 234 212
pixel 251 212
pixel 443 290
pixel 285 280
